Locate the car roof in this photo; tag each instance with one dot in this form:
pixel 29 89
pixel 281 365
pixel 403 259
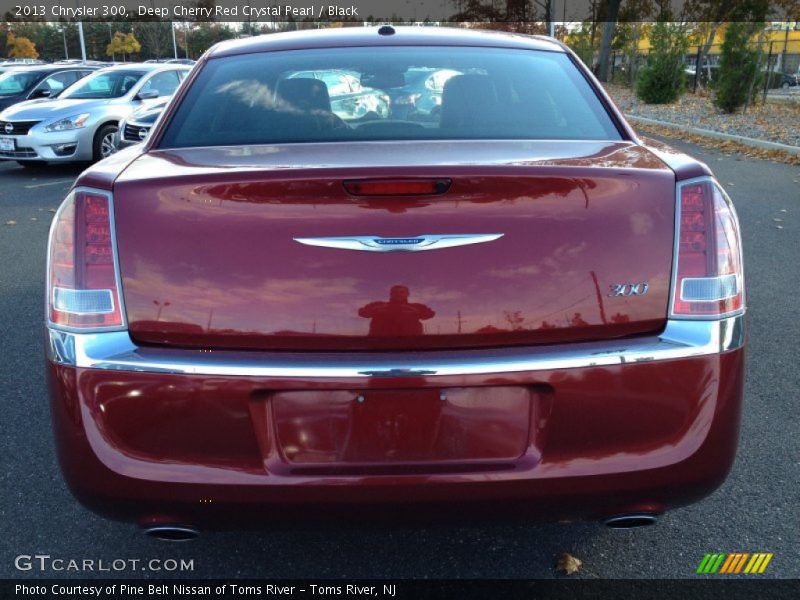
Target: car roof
pixel 369 36
pixel 144 67
pixel 51 68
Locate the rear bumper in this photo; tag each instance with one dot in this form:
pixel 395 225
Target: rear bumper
pixel 612 427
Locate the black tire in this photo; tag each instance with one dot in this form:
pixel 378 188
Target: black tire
pixel 32 164
pixel 103 144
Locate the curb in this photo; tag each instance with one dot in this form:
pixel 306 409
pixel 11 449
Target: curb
pixel 746 141
pixel 790 99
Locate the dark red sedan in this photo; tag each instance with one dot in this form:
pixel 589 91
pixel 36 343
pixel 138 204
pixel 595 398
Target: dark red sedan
pixel 511 303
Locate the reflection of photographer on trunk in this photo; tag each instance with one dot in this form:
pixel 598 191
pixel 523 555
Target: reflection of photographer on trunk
pixel 397 316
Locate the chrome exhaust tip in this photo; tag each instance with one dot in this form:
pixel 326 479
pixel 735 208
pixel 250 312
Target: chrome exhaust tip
pixel 172 533
pixel 631 520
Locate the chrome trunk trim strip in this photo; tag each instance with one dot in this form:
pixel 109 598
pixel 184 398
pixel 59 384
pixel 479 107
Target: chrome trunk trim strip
pixel 114 350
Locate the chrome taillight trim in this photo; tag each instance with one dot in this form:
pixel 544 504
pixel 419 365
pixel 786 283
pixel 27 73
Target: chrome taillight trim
pixel 49 291
pixel 116 351
pixel 676 251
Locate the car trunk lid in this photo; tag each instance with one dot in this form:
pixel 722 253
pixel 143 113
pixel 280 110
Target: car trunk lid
pixel 578 245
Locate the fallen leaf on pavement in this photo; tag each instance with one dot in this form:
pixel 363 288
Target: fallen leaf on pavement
pixel 568 563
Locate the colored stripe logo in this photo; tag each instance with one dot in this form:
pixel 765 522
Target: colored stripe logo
pixel 734 563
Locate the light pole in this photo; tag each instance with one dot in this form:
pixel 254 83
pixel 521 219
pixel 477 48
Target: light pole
pixel 174 43
pixel 785 47
pixel 80 34
pixel 161 306
pixel 64 35
pixel 83 41
pixel 111 42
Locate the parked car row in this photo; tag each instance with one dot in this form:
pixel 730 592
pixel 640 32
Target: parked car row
pixel 776 79
pixel 172 61
pixel 19 62
pixel 789 80
pixel 67 114
pixel 22 64
pixel 41 81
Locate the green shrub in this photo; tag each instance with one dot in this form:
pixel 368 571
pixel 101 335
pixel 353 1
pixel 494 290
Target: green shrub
pixel 662 79
pixel 738 69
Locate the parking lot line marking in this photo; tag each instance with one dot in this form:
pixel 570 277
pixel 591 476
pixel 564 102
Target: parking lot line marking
pixel 38 185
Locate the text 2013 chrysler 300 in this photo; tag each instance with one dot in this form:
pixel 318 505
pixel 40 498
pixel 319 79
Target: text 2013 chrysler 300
pixel 515 303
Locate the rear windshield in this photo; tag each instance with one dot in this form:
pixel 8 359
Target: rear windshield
pixel 397 93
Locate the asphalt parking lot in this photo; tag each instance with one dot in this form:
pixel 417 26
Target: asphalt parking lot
pixel 756 510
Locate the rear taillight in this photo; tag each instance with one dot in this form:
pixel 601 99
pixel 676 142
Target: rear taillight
pixel 709 281
pixel 82 281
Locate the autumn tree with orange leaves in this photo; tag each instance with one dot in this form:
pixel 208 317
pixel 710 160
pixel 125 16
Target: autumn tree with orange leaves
pixel 20 47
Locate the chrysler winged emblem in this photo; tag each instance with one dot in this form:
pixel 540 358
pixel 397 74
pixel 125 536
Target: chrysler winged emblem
pixel 417 243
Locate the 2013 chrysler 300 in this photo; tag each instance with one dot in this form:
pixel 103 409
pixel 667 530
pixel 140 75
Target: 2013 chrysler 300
pixel 517 304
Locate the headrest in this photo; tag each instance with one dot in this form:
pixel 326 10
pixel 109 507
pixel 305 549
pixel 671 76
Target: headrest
pixel 304 94
pixel 466 98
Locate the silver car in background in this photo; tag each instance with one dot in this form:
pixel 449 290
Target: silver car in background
pixel 81 123
pixel 135 129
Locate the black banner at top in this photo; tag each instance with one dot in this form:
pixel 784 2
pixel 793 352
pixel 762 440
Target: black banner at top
pixel 413 11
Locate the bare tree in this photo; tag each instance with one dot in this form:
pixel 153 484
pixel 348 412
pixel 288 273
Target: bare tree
pixel 715 13
pixel 634 13
pixel 547 7
pixel 155 37
pixel 603 61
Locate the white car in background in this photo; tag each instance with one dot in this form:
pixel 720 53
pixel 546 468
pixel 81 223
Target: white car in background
pixel 81 123
pixel 136 127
